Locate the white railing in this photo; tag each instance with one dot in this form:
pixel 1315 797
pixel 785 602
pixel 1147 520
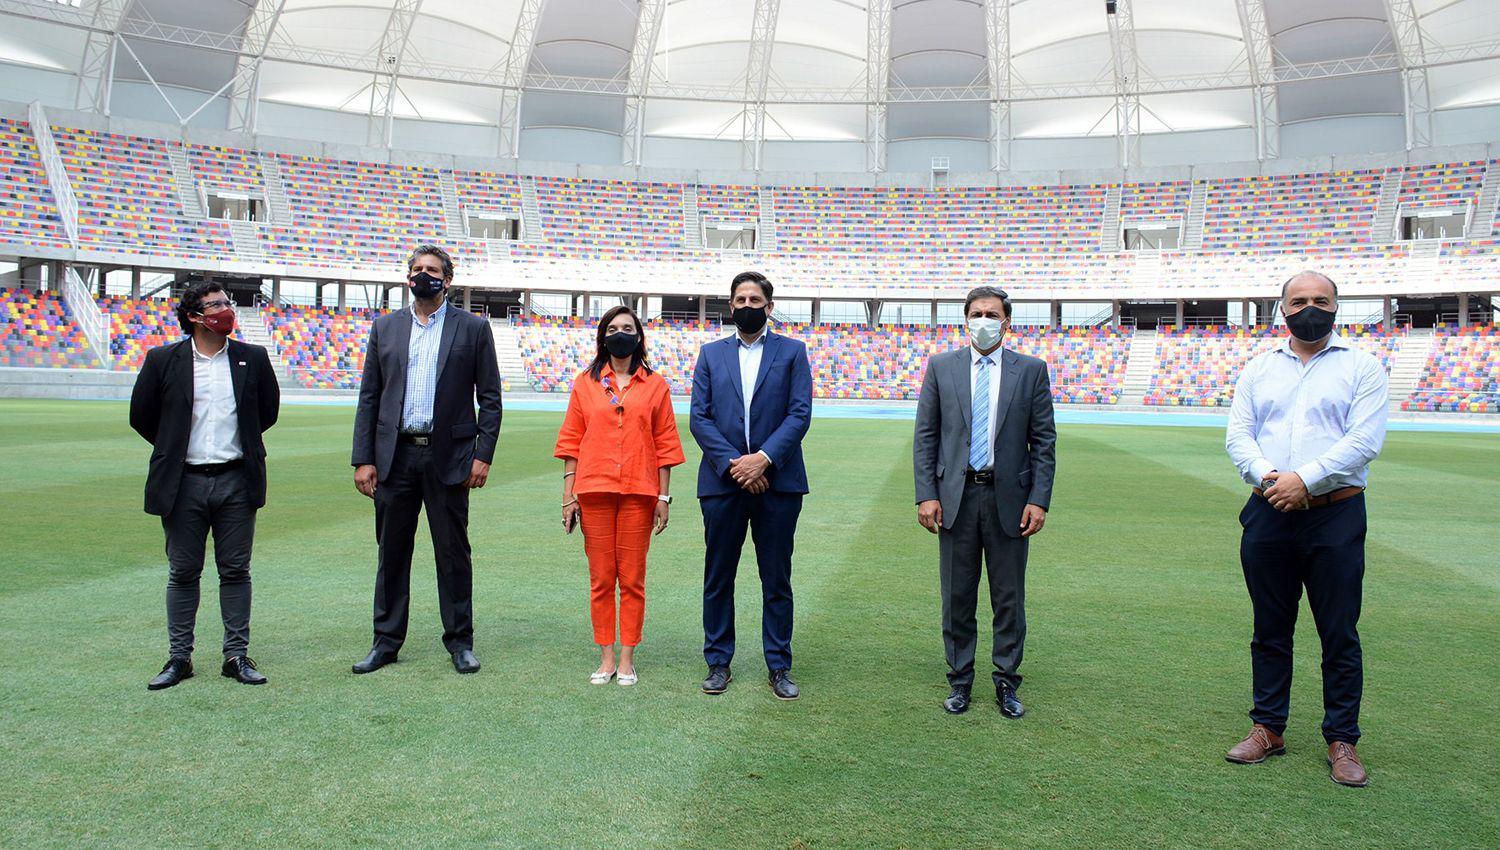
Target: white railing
pixel 79 296
pixel 57 173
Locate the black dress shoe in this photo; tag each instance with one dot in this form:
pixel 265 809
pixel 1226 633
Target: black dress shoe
pixel 1010 705
pixel 465 662
pixel 783 686
pixel 958 701
pixel 175 670
pixel 241 669
pixel 718 680
pixel 377 659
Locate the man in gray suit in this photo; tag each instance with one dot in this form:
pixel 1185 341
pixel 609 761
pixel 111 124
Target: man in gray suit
pixel 418 442
pixel 983 458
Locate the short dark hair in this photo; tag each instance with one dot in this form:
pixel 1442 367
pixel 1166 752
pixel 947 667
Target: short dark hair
pixel 601 354
pixel 979 292
pixel 434 251
pixel 1311 273
pixel 751 277
pixel 192 301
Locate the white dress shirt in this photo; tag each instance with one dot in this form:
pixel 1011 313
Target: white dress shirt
pixel 215 435
pixel 421 370
pixel 750 354
pixel 994 357
pixel 1324 420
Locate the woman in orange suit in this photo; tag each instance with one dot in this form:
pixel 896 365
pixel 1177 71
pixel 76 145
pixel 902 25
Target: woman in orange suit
pixel 618 445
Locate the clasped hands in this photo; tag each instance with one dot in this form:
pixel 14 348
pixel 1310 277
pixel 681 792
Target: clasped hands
pixel 1288 492
pixel 749 471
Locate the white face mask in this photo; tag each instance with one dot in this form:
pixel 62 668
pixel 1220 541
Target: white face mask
pixel 986 333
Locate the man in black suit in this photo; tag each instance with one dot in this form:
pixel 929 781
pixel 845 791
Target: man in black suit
pixel 984 455
pixel 203 403
pixel 417 441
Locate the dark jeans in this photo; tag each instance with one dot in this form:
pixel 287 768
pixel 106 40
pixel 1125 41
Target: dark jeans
pixel 771 519
pixel 1322 549
pixel 221 504
pixel 976 535
pixel 412 483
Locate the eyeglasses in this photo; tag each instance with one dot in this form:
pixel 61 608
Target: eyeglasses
pixel 215 305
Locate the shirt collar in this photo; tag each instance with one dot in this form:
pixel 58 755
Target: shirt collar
pixel 1334 341
pixel 436 316
pixel 760 339
pixel 198 355
pixel 609 372
pixel 994 356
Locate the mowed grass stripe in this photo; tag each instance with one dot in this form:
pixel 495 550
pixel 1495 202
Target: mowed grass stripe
pixel 1137 671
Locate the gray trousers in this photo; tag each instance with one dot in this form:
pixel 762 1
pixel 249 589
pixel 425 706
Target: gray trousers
pixel 976 534
pixel 221 504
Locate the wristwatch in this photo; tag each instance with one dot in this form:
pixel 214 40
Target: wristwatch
pixel 667 499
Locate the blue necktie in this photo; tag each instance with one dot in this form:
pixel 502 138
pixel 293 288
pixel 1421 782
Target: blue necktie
pixel 979 433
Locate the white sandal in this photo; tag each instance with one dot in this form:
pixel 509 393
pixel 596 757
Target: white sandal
pixel 628 679
pixel 597 678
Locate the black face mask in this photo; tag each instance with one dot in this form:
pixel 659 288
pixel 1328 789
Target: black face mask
pixel 424 285
pixel 750 319
pixel 620 344
pixel 1311 323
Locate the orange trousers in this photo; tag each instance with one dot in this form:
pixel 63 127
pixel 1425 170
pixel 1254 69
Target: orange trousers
pixel 616 535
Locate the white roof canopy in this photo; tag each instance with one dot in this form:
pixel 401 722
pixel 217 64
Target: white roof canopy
pixel 1072 71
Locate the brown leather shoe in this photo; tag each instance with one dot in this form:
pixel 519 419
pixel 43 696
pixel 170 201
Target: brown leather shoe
pixel 1258 746
pixel 1344 765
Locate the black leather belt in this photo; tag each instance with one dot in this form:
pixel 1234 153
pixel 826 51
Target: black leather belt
pixel 214 468
pixel 979 476
pixel 415 439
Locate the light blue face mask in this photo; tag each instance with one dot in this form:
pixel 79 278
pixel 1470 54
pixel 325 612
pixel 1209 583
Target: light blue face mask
pixel 986 333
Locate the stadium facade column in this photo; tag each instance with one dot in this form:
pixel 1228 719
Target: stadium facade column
pixel 1463 309
pixel 1386 309
pixel 405 297
pixel 275 289
pixel 135 281
pixel 1181 312
pixel 1114 313
pixel 1245 312
pixel 934 313
pixel 468 299
pixel 1054 314
pixel 702 308
pixel 344 295
pixel 874 309
pixel 817 311
pixel 526 302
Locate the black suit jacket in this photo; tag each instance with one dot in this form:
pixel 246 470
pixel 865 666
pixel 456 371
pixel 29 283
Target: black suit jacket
pixel 466 368
pixel 161 410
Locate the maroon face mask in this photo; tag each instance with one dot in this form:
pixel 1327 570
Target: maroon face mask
pixel 221 323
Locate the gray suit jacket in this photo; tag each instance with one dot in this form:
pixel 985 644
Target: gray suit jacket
pixel 467 369
pixel 1025 436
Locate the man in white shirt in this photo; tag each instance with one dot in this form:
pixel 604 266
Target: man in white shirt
pixel 752 405
pixel 1307 419
pixel 203 403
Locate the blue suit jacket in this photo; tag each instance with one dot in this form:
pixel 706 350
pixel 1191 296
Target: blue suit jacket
pixel 780 413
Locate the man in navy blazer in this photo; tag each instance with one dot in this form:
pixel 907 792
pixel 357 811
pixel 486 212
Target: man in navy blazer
pixel 752 404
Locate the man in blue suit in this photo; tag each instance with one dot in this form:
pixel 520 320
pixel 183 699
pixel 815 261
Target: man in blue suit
pixel 752 404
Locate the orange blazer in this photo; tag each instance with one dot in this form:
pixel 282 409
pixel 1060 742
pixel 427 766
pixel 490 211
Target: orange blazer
pixel 619 447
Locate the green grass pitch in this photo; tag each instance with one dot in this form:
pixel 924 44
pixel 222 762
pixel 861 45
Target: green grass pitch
pixel 1137 666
